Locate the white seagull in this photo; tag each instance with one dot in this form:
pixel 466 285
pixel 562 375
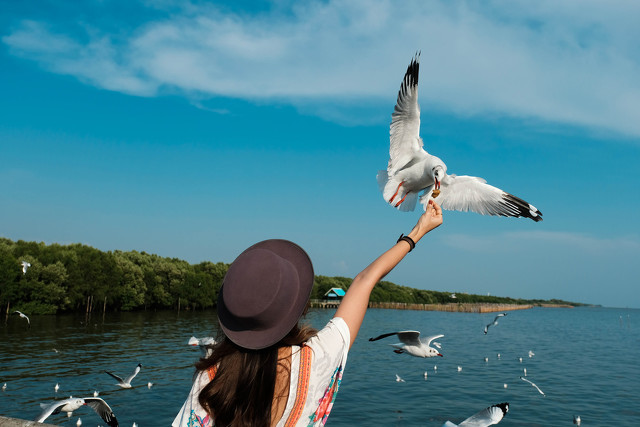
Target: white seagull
pixel 577 420
pixel 204 344
pixel 201 341
pixel 25 266
pixel 411 344
pixel 126 383
pixel 412 170
pixel 71 404
pixel 495 322
pixel 537 388
pixel 487 417
pixel 398 379
pixel 24 316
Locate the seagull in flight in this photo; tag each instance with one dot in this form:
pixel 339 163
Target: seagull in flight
pixel 71 404
pixel 495 322
pixel 126 383
pixel 411 170
pixel 537 388
pixel 24 316
pixel 411 344
pixel 487 417
pixel 25 266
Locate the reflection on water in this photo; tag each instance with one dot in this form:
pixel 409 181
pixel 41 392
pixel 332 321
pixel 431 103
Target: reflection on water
pixel 585 362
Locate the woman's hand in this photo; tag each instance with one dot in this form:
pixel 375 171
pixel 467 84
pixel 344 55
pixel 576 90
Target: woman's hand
pixel 430 219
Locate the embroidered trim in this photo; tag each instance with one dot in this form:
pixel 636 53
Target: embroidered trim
pixel 326 403
pixel 303 386
pixel 212 371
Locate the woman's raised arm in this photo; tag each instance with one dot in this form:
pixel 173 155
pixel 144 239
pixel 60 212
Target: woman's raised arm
pixel 355 302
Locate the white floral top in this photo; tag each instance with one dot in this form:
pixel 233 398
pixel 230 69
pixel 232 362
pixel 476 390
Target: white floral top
pixel 329 350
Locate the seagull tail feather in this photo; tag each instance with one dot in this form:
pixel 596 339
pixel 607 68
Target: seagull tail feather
pixel 382 178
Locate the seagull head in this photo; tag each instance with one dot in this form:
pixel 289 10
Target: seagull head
pixel 433 352
pixel 439 172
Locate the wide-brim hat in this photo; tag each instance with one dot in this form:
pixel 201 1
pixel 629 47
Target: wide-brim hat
pixel 264 293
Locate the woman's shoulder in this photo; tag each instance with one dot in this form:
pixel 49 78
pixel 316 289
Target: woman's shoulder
pixel 333 338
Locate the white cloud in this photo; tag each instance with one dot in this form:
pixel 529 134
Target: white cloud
pixel 572 62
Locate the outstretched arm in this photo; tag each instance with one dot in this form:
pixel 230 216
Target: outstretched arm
pixel 355 302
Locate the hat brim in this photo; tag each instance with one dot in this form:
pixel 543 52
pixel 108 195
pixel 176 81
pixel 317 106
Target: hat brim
pixel 265 337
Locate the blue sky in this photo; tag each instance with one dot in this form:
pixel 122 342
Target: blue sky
pixel 194 129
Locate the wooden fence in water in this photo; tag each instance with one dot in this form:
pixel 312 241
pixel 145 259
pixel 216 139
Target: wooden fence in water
pixel 452 307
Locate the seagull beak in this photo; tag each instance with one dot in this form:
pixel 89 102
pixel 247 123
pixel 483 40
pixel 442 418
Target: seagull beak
pixel 437 186
pixel 440 355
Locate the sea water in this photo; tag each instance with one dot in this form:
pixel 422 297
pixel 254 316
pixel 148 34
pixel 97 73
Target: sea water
pixel 585 361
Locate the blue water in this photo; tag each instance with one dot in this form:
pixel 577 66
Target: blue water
pixel 585 362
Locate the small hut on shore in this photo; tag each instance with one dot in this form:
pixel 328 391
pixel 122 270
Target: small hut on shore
pixel 334 294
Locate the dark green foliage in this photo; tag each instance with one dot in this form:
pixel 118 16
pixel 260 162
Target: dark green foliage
pixel 68 278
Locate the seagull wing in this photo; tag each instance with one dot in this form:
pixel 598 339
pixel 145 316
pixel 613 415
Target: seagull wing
pixel 103 409
pixel 409 337
pixel 499 316
pixel 486 328
pixel 537 388
pixel 47 410
pixel 431 338
pixel 487 417
pixel 470 193
pixel 379 337
pixel 404 133
pixel 120 380
pixel 132 376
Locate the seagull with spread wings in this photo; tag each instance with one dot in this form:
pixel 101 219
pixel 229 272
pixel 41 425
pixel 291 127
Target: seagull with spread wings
pixel 25 266
pixel 411 344
pixel 71 404
pixel 411 170
pixel 24 316
pixel 537 388
pixel 495 322
pixel 126 383
pixel 487 417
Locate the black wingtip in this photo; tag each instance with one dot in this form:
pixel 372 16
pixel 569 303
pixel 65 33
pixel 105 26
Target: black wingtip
pixel 521 208
pixel 504 406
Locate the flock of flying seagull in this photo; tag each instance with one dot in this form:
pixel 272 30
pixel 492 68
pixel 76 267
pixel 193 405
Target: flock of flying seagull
pixel 411 344
pixel 412 174
pixel 97 404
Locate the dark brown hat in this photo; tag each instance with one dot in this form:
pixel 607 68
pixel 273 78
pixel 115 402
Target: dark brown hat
pixel 264 293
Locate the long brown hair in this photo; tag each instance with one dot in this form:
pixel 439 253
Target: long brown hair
pixel 242 391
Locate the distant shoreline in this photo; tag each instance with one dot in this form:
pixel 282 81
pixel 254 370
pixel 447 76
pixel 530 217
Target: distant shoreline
pixel 450 307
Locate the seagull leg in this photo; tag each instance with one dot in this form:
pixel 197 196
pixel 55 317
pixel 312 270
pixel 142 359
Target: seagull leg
pixel 396 193
pixel 405 196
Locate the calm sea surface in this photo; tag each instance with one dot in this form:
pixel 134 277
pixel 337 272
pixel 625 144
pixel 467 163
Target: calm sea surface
pixel 586 362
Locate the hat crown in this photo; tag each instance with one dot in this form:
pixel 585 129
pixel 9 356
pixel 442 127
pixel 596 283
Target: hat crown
pixel 264 293
pixel 258 286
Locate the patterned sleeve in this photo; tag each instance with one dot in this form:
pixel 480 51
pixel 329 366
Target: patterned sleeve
pixel 330 348
pixel 192 414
